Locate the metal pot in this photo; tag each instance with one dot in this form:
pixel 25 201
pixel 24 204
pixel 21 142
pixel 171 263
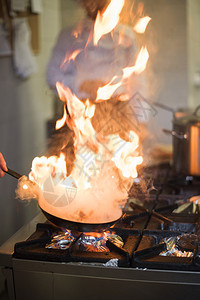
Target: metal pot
pixel 186 142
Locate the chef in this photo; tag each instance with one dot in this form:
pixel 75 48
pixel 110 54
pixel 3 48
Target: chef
pixel 2 165
pixel 96 65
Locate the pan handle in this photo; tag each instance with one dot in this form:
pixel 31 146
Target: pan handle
pixel 174 133
pixel 13 173
pixel 196 110
pixel 163 106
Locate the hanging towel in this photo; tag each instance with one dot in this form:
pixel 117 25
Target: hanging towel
pixel 24 60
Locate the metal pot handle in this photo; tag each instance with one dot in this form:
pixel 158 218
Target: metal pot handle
pixel 174 133
pixel 196 110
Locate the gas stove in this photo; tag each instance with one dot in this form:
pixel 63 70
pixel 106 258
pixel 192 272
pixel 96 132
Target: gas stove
pixel 152 250
pixel 145 232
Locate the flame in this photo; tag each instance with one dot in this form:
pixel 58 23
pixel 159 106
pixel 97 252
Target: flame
pixel 74 54
pixel 89 109
pixel 45 166
pixel 104 234
pixel 141 24
pixel 80 116
pixel 108 20
pixel 125 159
pixel 71 56
pixel 106 92
pixel 60 123
pixel 25 186
pixel 140 64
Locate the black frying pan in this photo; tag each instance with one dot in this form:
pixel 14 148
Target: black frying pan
pixel 77 226
pixel 66 224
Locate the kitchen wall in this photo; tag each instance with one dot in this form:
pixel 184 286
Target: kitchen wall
pixel 71 13
pixel 25 107
pixel 168 62
pixel 173 41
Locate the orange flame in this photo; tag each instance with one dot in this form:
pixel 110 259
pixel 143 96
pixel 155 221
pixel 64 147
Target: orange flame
pixel 71 56
pixel 106 92
pixel 141 24
pixel 140 64
pixel 125 158
pixel 99 234
pixel 80 116
pixel 43 167
pixel 74 54
pixel 61 122
pixel 107 21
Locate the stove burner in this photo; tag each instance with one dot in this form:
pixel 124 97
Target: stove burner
pixel 174 250
pixel 187 242
pixel 61 240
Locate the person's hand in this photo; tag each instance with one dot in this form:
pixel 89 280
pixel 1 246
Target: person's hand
pixel 2 165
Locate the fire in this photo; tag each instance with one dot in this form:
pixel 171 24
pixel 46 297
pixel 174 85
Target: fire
pixel 104 166
pixel 108 20
pixel 141 24
pixel 61 122
pixel 125 159
pixel 74 54
pixel 71 56
pixel 106 92
pixel 25 187
pixel 43 167
pixel 98 234
pixel 80 115
pixel 140 64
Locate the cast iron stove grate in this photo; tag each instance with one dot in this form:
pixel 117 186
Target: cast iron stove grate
pixel 153 251
pixel 34 248
pixel 175 226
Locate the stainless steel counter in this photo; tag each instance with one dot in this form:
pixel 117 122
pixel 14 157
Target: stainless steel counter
pixel 6 249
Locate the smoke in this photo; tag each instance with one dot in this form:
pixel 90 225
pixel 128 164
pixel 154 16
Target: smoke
pixel 27 189
pixel 100 203
pixel 59 195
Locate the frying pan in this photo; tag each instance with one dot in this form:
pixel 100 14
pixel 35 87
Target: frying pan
pixel 77 226
pixel 66 224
